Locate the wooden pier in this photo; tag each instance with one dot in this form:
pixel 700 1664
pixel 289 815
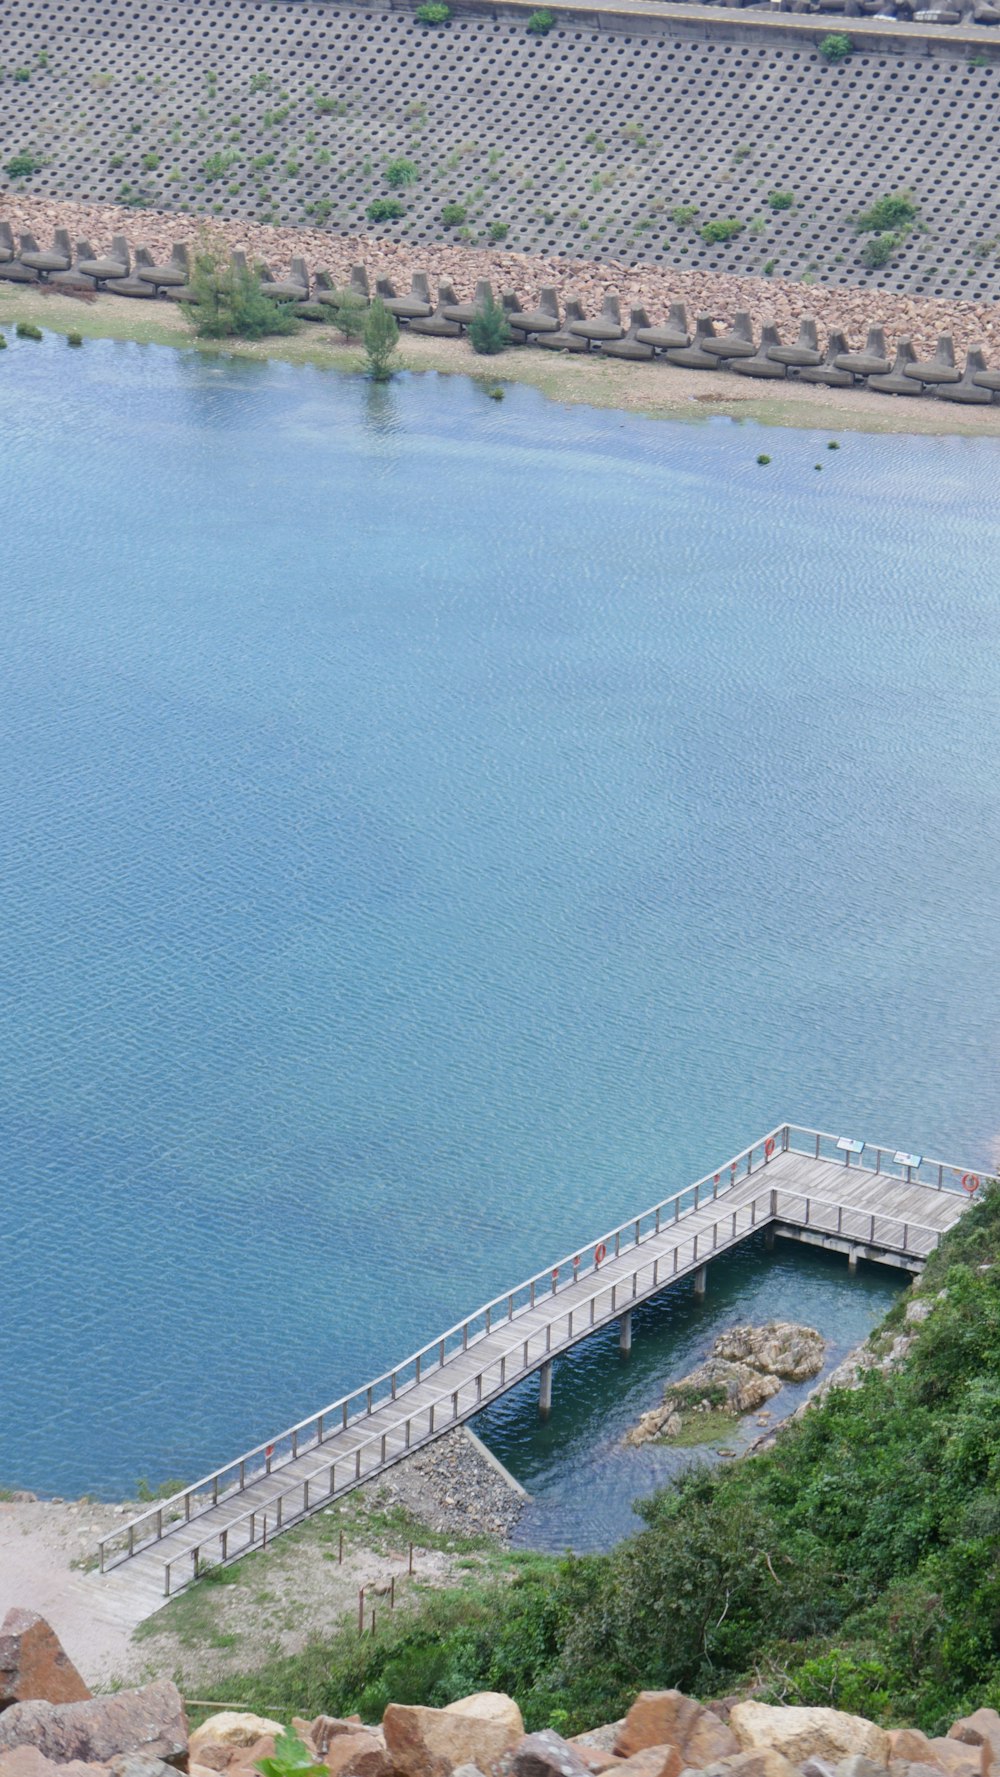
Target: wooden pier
pixel 867 1202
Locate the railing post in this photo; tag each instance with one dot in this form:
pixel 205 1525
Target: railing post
pixel 817 1144
pixel 657 1218
pixel 510 1307
pixel 166 1580
pixel 159 1523
pixel 878 1160
pixel 417 1378
pixel 280 1505
pixel 531 1302
pixel 454 1397
pixel 697 1196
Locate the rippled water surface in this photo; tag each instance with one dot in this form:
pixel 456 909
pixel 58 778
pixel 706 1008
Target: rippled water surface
pixel 433 829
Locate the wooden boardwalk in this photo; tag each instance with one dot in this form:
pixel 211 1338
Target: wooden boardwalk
pixel 793 1181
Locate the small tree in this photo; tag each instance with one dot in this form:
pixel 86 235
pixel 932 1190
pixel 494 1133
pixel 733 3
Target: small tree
pixel 381 337
pixel 347 313
pixel 489 330
pixel 227 300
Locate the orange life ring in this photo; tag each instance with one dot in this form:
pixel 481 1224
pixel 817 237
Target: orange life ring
pixel 970 1183
pixel 600 1254
pixel 769 1147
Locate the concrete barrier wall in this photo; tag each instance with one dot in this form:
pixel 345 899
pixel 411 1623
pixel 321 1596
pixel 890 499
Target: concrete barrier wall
pixel 557 323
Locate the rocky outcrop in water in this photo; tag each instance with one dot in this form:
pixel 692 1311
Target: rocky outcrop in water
pixel 746 1367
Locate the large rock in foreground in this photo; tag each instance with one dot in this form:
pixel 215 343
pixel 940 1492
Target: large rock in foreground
pixel 477 1730
pixel 799 1734
pixel 668 1718
pixel 150 1720
pixel 34 1664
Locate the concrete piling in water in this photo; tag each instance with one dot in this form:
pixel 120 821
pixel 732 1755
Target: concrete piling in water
pixel 625 1333
pixel 700 1280
pixel 545 1390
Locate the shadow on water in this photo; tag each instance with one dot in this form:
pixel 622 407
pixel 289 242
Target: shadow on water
pixel 581 1477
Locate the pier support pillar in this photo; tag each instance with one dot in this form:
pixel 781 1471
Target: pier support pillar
pixel 625 1333
pixel 545 1390
pixel 769 1239
pixel 852 1260
pixel 700 1279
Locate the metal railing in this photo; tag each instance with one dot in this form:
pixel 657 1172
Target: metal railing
pixel 332 1421
pixel 449 1407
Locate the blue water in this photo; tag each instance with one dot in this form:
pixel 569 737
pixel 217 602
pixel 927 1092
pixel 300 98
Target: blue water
pixel 432 829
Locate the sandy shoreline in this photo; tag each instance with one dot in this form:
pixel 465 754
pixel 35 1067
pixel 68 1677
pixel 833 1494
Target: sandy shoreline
pixel 654 390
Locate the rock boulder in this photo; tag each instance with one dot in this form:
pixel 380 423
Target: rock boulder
pixel 982 1725
pixel 547 1754
pixel 781 1348
pixel 33 1663
pixel 149 1720
pixel 799 1733
pixel 221 1734
pixel 477 1730
pixel 668 1718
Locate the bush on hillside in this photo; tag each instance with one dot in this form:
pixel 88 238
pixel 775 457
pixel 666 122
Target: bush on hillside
pixel 489 329
pixel 836 47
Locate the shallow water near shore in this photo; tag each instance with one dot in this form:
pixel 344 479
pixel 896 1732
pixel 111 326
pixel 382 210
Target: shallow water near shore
pixel 433 830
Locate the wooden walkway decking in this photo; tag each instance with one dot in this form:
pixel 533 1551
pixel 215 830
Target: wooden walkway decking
pixel 893 1216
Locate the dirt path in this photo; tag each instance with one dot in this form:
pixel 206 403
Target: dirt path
pixel 449 1501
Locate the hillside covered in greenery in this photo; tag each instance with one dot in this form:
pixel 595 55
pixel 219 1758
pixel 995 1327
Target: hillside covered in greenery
pixel 856 1564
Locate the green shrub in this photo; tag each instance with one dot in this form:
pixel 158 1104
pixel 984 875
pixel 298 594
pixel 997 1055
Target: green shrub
pixel 762 459
pixel 291 1758
pixel 721 228
pixel 347 313
pixel 3 342
pixel 498 231
pixel 401 172
pixel 21 166
pixel 330 107
pixel 836 47
pixel 770 267
pixel 217 165
pixel 381 337
pixel 541 22
pixel 781 200
pixel 228 303
pixel 27 330
pixel 22 74
pixel 879 250
pixel 385 209
pixel 489 329
pixel 898 210
pixel 433 12
pixel 682 215
pixel 74 339
pixel 260 83
pixel 453 214
pixel 150 161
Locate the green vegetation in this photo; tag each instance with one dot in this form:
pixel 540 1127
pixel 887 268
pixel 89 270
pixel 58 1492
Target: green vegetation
pixel 763 460
pixel 781 200
pixel 260 83
pixel 898 210
pixel 489 329
pixel 433 12
pixel 291 1758
pixel 150 161
pixel 146 1493
pixel 218 164
pixel 385 209
pixel 541 22
pixel 27 330
pixel 228 303
pixel 879 250
pixel 381 337
pixel 498 231
pixel 836 47
pixel 347 313
pixel 21 166
pixel 721 228
pixel 401 172
pixel 854 1564
pixel 452 214
pixel 682 215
